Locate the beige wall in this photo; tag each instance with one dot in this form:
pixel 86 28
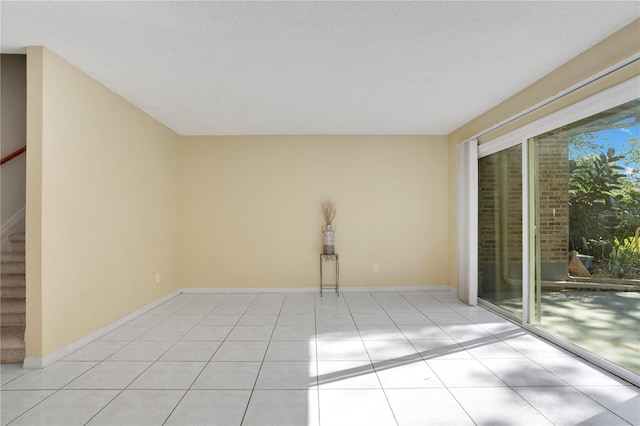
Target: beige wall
pixel 33 213
pixel 114 197
pixel 611 51
pixel 13 95
pixel 250 209
pixel 101 212
pixel 108 189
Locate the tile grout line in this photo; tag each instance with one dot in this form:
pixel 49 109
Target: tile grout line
pixel 56 390
pixel 263 359
pixel 371 362
pixel 315 339
pixel 62 388
pixel 606 408
pixel 512 388
pixel 382 303
pixel 569 385
pixel 140 374
pixel 203 368
pixel 409 341
pixel 462 407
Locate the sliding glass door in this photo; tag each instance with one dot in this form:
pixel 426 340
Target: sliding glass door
pixel 500 229
pixel 559 227
pixel 587 222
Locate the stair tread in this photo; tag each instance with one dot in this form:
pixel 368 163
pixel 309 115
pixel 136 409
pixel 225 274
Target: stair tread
pixel 13 303
pixel 13 306
pixel 12 256
pixel 11 337
pixel 13 320
pixel 12 280
pixel 13 267
pixel 12 356
pixel 6 263
pixel 18 292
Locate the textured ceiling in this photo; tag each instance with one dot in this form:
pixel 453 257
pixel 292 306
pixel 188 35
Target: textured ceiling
pixel 206 68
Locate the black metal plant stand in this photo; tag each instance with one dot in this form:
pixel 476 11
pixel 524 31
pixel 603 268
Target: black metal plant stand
pixel 330 257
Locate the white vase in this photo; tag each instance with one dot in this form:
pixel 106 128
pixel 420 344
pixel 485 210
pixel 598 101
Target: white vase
pixel 329 232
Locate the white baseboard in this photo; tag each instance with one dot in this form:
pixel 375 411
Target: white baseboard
pixel 37 362
pixel 41 362
pixel 391 288
pixel 252 290
pixel 315 289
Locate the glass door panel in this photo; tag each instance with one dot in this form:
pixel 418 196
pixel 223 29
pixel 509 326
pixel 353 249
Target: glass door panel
pixel 500 229
pixel 586 227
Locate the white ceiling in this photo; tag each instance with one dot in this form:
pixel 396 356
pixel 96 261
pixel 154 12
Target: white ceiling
pixel 207 68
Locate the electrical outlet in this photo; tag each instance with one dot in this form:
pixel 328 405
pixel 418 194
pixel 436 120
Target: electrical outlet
pixel 376 267
pixel 157 277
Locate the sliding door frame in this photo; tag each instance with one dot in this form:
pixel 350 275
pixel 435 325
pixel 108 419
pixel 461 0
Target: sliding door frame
pixel 607 99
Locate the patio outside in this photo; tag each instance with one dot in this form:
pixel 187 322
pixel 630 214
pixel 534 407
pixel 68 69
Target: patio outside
pixel 605 323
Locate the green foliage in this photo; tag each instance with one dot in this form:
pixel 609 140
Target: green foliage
pixel 604 209
pixel 594 202
pixel 624 259
pixel 604 191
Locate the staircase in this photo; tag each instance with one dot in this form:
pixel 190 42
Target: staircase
pixel 12 302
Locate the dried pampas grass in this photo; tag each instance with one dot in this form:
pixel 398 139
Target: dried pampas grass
pixel 328 211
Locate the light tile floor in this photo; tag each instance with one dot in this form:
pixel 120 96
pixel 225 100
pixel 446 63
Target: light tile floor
pixel 383 358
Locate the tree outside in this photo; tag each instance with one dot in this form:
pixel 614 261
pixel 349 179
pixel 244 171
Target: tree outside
pixel 604 191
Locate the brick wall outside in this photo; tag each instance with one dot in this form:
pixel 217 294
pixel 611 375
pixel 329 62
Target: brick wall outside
pixel 513 170
pixel 488 208
pixel 499 203
pixel 500 183
pixel 553 172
